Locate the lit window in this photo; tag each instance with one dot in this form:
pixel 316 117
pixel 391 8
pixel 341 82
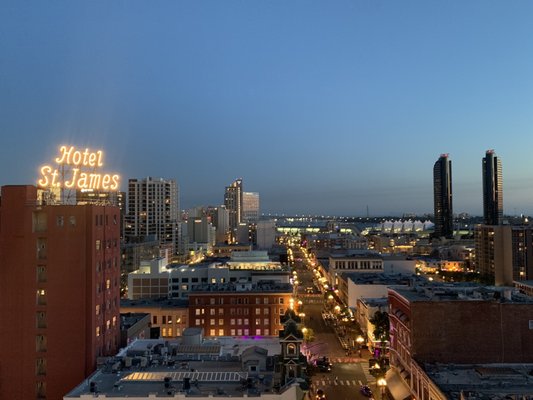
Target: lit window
pixel 98 244
pixel 221 321
pixel 258 331
pixel 212 321
pixel 97 331
pixel 257 311
pixel 221 332
pixel 212 332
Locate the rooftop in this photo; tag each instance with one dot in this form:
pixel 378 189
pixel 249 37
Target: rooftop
pixel 162 303
pixel 261 286
pixel 462 291
pixel 482 382
pixel 187 366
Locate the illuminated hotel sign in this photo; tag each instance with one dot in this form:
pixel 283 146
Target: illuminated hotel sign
pixel 77 169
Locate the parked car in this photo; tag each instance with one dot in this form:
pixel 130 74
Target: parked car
pixel 365 391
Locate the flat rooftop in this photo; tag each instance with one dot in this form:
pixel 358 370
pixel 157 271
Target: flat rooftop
pixel 462 291
pixel 482 382
pixel 165 368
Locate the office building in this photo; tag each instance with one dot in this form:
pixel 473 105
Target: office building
pixel 233 200
pixel 153 211
pixel 442 195
pixel 250 207
pixel 492 189
pixel 59 293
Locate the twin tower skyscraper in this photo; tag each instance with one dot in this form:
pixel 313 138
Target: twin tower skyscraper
pixel 443 197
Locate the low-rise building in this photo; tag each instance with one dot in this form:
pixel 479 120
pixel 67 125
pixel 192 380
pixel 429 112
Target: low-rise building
pixel 133 326
pixel 240 309
pixel 455 323
pixel 171 316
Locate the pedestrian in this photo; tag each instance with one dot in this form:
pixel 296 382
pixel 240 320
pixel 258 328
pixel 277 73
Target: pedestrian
pixel 336 378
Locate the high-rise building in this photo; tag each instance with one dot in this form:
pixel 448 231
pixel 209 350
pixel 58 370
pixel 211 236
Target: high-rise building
pixel 492 189
pixel 153 210
pixel 233 202
pixel 504 253
pixel 250 207
pixel 442 194
pixel 59 292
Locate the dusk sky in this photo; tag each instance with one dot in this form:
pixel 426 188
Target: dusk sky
pixel 322 107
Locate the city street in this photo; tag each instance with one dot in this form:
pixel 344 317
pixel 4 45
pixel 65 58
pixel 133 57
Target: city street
pixel 349 371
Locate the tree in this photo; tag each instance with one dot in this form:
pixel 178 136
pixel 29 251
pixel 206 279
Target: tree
pixel 380 320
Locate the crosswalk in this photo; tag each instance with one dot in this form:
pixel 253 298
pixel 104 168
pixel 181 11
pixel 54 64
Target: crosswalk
pixel 344 360
pixel 368 375
pixel 339 382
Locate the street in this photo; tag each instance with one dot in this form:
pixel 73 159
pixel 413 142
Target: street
pixel 349 371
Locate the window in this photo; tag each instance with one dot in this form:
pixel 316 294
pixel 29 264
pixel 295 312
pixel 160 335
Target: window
pixel 265 300
pixel 212 321
pixel 220 311
pixel 281 311
pixel 98 309
pixel 97 331
pixel 232 332
pixel 41 320
pixel 169 331
pixel 41 274
pixel 41 297
pixel 164 332
pixel 164 319
pixel 98 244
pixel 267 331
pixel 154 319
pixel 239 332
pixel 246 332
pixel 257 311
pixel 258 331
pixel 197 312
pixel 186 287
pixel 232 321
pixel 212 332
pixel 40 343
pixel 107 284
pixel 60 220
pixel 40 366
pixel 221 332
pixel 266 311
pixel 114 321
pixel 221 321
pixel 266 321
pixel 281 300
pixel 108 325
pixel 197 322
pixel 257 300
pixel 258 321
pixel 169 319
pixel 239 321
pixel 291 348
pixel 212 311
pixel 246 321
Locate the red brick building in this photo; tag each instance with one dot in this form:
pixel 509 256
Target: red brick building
pixel 235 309
pixel 457 325
pixel 59 293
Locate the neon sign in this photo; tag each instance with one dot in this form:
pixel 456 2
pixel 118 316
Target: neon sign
pixel 77 176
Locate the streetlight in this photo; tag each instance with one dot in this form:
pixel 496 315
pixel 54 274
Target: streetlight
pixel 382 383
pixel 359 341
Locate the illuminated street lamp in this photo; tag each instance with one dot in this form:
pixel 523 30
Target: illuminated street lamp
pixel 382 383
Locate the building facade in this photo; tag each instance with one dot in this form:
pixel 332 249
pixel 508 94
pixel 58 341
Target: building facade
pixel 59 292
pixel 239 309
pixel 250 207
pixel 233 200
pixel 442 195
pixel 492 189
pixel 153 210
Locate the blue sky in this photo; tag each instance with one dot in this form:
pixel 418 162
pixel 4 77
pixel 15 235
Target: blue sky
pixel 321 107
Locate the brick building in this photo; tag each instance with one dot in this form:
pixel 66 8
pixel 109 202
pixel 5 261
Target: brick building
pixel 59 293
pixel 456 324
pixel 239 309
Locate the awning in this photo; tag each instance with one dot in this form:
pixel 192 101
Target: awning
pixel 397 388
